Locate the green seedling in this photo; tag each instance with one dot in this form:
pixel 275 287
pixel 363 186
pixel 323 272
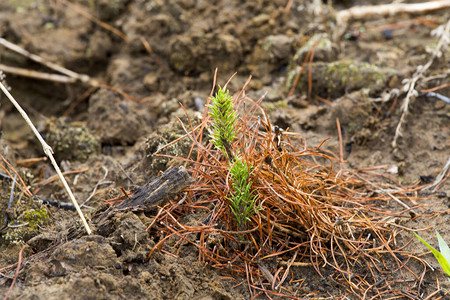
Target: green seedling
pixel 242 198
pixel 443 257
pixel 225 119
pixel 223 134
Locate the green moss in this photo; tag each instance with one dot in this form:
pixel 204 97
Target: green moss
pixel 15 236
pixel 35 217
pixel 271 106
pixel 336 78
pixel 26 225
pixel 355 75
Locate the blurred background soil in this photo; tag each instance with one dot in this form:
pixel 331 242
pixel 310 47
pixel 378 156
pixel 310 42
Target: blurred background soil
pixel 166 56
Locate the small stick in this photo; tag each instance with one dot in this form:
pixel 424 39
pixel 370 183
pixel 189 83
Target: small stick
pixel 30 161
pixel 160 190
pixel 5 176
pixel 436 95
pixel 288 6
pixel 313 51
pixel 88 16
pixel 100 182
pixel 295 263
pixel 48 151
pixel 383 191
pixel 36 58
pixel 436 87
pixel 11 198
pixel 265 272
pixel 290 262
pixel 150 51
pixel 54 177
pixel 36 74
pixel 439 178
pixel 418 75
pixel 341 147
pixel 22 184
pixel 361 12
pixel 297 78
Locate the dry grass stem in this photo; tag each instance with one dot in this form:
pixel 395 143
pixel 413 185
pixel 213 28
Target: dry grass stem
pixel 48 151
pixel 37 75
pixel 444 40
pixel 38 59
pixel 343 17
pixel 440 178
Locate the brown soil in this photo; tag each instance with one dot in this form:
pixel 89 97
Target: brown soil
pixel 109 138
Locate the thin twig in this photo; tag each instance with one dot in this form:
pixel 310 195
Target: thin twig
pixel 88 16
pixel 439 178
pixel 310 66
pixel 412 93
pixel 343 17
pixel 36 58
pixel 22 184
pixel 299 74
pixel 289 265
pixel 288 6
pixel 11 198
pixel 37 75
pixel 341 146
pixel 48 151
pixel 100 182
pixel 30 161
pixel 361 12
pixel 150 51
pixel 19 263
pixel 383 191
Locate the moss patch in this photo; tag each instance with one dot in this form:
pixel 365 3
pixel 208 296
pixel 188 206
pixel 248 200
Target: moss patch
pixel 70 141
pixel 339 77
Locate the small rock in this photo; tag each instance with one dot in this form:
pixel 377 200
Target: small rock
pixel 279 47
pixel 89 251
pixel 42 241
pixel 151 82
pixel 332 80
pixel 325 50
pixel 70 141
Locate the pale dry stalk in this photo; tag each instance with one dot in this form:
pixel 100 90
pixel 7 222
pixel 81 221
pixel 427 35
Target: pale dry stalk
pixel 48 151
pixel 36 74
pixel 38 59
pixel 68 77
pixel 343 17
pixel 412 93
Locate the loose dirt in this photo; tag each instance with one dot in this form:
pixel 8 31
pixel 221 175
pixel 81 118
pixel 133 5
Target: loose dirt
pixel 106 135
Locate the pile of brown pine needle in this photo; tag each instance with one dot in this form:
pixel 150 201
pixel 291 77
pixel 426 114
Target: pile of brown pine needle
pixel 308 213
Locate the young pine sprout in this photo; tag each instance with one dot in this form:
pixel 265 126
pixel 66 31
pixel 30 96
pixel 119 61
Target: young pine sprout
pixel 225 118
pixel 242 198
